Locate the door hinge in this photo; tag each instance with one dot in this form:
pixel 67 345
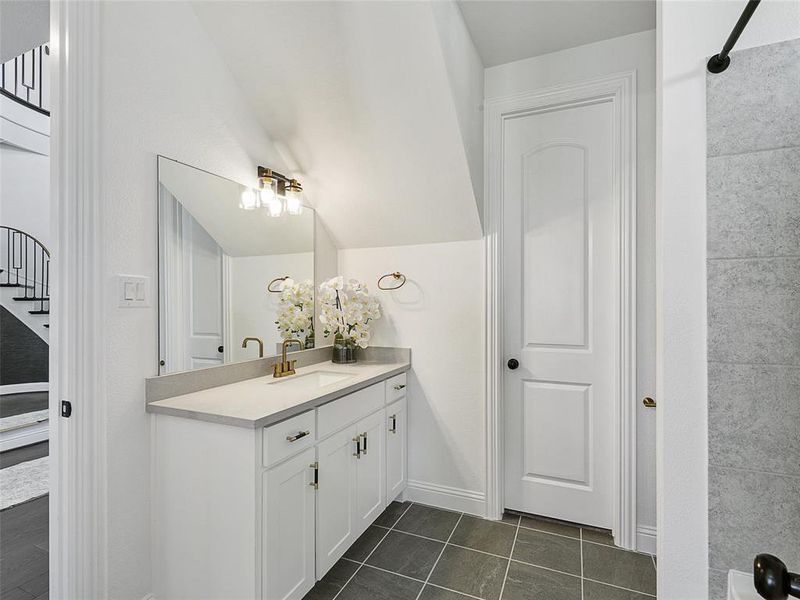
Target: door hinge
pixel 66 409
pixel 315 483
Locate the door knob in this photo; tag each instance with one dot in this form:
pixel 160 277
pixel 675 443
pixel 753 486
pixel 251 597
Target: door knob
pixel 513 363
pixel 221 349
pixel 773 580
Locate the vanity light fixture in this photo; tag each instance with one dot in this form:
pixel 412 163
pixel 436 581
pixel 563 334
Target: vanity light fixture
pixel 276 193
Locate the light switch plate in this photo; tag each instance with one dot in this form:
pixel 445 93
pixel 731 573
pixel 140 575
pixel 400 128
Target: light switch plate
pixel 134 291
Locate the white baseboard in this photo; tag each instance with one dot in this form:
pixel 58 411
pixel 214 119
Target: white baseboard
pixel 646 539
pixel 21 388
pixel 450 498
pixel 24 436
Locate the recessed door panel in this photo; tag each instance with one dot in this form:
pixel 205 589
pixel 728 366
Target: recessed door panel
pixel 557 424
pixel 554 238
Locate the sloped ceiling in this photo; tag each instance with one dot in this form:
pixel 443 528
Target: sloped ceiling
pixel 509 30
pixel 358 98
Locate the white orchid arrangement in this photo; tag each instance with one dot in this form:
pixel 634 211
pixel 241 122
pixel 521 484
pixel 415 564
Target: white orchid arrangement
pixel 347 310
pixel 296 309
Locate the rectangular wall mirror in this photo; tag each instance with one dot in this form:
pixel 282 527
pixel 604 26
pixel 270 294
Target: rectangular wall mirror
pixel 230 280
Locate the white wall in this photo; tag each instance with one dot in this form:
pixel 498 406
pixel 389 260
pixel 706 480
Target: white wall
pixel 164 90
pixel 326 265
pixel 688 33
pixel 635 51
pixel 25 192
pixel 439 314
pixel 253 310
pixel 465 73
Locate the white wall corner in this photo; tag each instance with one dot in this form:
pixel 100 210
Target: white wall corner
pixel 446 497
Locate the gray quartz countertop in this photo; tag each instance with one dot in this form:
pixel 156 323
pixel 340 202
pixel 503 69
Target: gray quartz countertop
pixel 263 401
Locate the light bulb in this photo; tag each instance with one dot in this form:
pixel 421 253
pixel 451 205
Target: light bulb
pixel 294 205
pixel 294 198
pixel 274 207
pixel 248 200
pixel 269 196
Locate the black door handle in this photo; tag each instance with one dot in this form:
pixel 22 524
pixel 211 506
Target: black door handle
pixel 221 349
pixel 773 580
pixel 513 363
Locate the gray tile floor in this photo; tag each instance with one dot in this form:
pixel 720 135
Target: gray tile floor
pixel 24 531
pixel 415 552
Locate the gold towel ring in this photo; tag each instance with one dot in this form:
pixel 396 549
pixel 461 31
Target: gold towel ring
pixel 276 280
pixel 396 275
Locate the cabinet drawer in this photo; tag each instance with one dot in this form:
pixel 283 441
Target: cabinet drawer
pixel 288 437
pixel 395 387
pixel 339 413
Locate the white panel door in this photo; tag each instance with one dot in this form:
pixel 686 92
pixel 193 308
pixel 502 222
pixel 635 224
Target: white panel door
pixel 396 439
pixel 203 311
pixel 288 536
pixel 560 310
pixel 370 470
pixel 336 498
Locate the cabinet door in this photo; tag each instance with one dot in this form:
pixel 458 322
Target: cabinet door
pixel 288 535
pixel 335 498
pixel 371 470
pixel 396 440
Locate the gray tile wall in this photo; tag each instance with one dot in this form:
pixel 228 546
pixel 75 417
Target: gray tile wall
pixel 753 199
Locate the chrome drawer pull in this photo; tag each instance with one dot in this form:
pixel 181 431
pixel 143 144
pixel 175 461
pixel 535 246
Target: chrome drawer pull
pixel 364 449
pixel 294 438
pixel 393 428
pixel 400 386
pixel 357 453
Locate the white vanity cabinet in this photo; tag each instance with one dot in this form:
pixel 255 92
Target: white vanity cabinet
pixel 316 482
pixel 288 534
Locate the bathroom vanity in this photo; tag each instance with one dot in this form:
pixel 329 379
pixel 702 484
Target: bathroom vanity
pixel 261 485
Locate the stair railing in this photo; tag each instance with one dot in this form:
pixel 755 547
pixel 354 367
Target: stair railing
pixel 24 79
pixel 25 264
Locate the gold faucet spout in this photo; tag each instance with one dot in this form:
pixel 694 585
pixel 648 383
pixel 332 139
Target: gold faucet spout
pixel 260 345
pixel 285 367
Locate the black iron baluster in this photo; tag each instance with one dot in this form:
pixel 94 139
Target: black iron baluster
pixel 27 77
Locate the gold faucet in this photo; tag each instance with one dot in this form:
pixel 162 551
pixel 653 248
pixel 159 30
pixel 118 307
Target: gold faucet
pixel 285 367
pixel 260 345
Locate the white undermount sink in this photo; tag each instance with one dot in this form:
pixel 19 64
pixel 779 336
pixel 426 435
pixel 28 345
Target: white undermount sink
pixel 313 380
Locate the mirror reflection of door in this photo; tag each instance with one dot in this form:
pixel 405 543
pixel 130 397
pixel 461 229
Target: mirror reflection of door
pixel 193 273
pixel 216 260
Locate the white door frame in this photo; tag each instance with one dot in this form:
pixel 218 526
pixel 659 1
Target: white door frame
pixel 620 90
pixel 78 509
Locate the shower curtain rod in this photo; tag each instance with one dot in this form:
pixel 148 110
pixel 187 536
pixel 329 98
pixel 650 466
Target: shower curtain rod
pixel 719 62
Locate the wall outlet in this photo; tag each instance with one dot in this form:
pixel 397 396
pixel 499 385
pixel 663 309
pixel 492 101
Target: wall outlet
pixel 134 291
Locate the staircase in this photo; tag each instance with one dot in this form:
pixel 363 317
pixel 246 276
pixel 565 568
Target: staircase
pixel 25 278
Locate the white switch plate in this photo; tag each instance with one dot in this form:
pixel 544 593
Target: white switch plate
pixel 134 291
